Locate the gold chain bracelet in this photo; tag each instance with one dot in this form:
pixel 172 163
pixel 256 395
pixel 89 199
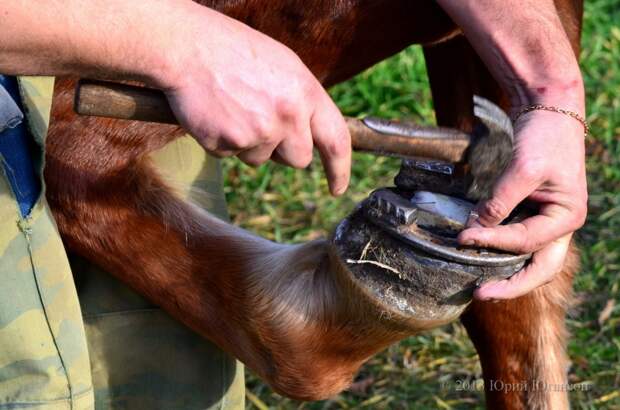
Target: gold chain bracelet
pixel 572 114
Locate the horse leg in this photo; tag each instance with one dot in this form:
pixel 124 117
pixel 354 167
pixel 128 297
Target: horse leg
pixel 292 313
pixel 521 342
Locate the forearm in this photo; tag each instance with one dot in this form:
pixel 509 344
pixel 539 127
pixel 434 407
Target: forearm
pixel 115 39
pixel 525 47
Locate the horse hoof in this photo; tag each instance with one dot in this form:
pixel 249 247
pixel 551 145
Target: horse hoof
pixel 401 248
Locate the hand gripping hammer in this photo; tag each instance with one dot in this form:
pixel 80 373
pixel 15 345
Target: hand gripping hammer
pixel 487 150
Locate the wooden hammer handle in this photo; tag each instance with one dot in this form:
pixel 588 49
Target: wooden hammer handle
pixel 121 101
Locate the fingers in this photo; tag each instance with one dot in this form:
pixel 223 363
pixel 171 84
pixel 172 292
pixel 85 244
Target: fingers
pixel 517 183
pixel 526 236
pixel 333 141
pixel 257 155
pixel 219 148
pixel 512 187
pixel 295 151
pixel 287 135
pixel 544 265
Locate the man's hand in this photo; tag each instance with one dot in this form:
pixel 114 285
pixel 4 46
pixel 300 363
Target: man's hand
pixel 236 90
pixel 548 169
pixel 525 47
pixel 242 93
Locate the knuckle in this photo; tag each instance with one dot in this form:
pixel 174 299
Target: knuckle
pixel 286 108
pixel 530 169
pixel 238 141
pixel 263 130
pixel 336 147
pixel 298 156
pixel 579 216
pixel 525 244
pixel 495 209
pixel 302 159
pixel 210 144
pixel 254 161
pixel 478 242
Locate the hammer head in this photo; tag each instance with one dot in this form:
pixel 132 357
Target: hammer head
pixel 491 148
pixel 488 155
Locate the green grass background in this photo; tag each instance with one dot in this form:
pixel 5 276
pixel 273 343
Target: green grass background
pixel 291 206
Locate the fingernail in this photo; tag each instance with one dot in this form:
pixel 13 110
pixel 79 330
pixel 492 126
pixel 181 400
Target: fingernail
pixel 465 240
pixel 340 190
pixel 485 291
pixel 481 298
pixel 485 298
pixel 477 296
pixel 473 220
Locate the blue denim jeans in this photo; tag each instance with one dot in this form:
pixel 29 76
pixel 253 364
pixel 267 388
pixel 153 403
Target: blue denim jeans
pixel 16 147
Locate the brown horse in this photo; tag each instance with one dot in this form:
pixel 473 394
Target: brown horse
pixel 291 313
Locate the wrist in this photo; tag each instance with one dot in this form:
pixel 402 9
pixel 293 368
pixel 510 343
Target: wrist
pixel 183 39
pixel 160 50
pixel 566 93
pixel 552 79
pixel 152 49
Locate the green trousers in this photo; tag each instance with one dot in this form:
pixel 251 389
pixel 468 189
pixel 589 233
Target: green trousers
pixel 72 336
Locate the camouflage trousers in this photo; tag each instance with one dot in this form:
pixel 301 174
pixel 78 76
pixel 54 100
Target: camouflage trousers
pixel 73 337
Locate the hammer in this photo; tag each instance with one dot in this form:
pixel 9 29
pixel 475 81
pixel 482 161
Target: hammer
pixel 487 150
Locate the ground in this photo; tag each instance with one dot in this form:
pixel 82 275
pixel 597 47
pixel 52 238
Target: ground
pixel 440 369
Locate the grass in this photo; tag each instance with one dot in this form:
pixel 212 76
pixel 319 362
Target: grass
pixel 292 206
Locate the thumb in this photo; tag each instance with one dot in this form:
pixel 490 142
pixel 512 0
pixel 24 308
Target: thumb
pixel 511 188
